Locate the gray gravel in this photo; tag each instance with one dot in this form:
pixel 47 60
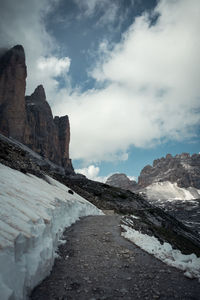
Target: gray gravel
pixel 97 263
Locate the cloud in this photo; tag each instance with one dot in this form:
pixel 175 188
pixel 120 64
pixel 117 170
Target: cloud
pixel 87 6
pixel 23 22
pixel 54 66
pixel 150 88
pixel 106 11
pixel 149 80
pixel 47 70
pixel 92 172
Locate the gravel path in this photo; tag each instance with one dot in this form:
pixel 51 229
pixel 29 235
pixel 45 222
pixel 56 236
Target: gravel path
pixel 97 263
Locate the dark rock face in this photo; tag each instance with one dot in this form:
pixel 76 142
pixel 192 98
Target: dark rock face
pixel 122 181
pixel 182 169
pixel 63 127
pixel 48 137
pixel 29 119
pixel 12 90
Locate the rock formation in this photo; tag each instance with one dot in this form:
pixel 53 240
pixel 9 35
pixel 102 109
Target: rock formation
pixel 122 181
pixel 12 90
pixel 48 137
pixel 182 169
pixel 29 119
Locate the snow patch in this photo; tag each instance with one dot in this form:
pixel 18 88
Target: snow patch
pixel 186 166
pixel 190 264
pixel 33 216
pixel 170 191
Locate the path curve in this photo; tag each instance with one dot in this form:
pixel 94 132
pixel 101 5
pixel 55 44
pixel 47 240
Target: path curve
pixel 97 263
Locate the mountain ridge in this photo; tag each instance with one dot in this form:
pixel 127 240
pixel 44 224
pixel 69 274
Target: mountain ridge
pixel 182 169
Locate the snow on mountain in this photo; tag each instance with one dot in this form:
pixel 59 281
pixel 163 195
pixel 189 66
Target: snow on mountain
pixel 170 191
pixel 33 214
pixel 182 169
pixel 182 203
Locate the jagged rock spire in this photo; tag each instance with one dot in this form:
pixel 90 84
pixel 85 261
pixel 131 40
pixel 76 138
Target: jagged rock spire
pixel 30 119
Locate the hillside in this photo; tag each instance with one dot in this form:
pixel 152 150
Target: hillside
pixel 37 207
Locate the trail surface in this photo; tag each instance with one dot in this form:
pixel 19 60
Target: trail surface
pixel 97 263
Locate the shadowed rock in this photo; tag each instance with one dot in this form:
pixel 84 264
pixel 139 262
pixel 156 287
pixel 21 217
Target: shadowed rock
pixel 29 119
pixel 12 93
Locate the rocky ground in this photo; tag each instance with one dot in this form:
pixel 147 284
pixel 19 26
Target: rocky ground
pixel 97 263
pixel 188 212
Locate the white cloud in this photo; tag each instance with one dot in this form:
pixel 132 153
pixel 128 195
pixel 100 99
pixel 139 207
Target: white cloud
pixel 92 172
pixel 53 65
pixel 22 22
pixel 89 172
pixel 46 70
pixel 152 89
pixel 152 77
pixel 87 6
pixel 106 9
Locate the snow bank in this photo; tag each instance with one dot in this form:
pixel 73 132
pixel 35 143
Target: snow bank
pixel 170 191
pixel 33 215
pixel 190 264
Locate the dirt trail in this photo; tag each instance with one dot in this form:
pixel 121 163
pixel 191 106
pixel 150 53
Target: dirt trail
pixel 97 263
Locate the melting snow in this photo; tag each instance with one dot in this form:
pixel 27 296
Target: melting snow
pixel 190 264
pixel 186 166
pixel 170 191
pixel 33 215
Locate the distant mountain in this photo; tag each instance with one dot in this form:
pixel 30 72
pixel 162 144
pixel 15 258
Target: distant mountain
pixel 29 119
pixel 182 169
pixel 122 181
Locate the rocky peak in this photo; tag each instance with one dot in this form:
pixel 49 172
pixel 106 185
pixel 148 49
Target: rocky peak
pixel 63 126
pixel 12 93
pixel 38 95
pixel 121 180
pixel 182 169
pixel 15 55
pixel 29 119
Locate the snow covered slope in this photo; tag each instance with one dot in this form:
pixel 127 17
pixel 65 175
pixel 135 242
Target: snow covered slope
pixel 170 191
pixel 33 215
pixel 182 203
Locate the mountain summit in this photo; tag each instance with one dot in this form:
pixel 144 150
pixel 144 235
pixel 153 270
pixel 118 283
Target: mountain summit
pixel 182 169
pixel 29 119
pixel 121 180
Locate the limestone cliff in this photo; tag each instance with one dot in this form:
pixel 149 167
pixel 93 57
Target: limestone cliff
pixel 12 90
pixel 29 119
pixel 182 169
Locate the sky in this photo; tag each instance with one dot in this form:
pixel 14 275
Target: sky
pixel 126 72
